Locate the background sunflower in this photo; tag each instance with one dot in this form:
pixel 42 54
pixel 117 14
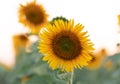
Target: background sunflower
pixel 33 15
pixel 20 41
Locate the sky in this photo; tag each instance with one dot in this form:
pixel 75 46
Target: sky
pixel 98 16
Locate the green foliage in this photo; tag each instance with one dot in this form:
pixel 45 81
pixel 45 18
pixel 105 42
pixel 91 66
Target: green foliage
pixel 3 75
pixel 102 75
pixel 30 65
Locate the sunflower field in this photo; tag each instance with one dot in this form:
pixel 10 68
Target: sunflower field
pixel 62 53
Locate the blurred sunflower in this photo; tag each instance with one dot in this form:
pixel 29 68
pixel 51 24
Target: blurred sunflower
pixel 97 59
pixel 65 45
pixel 33 16
pixel 20 41
pixel 24 80
pixel 118 19
pixel 5 66
pixel 108 65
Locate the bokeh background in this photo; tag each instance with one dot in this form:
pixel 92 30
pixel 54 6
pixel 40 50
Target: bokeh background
pixel 100 18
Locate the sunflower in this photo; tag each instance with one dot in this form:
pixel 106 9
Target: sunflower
pixel 108 65
pixel 118 19
pixel 97 58
pixel 65 46
pixel 58 18
pixel 24 80
pixel 5 66
pixel 20 41
pixel 33 16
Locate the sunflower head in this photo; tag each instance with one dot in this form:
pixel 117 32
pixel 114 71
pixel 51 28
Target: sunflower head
pixel 97 58
pixel 33 16
pixel 20 41
pixel 59 18
pixel 65 46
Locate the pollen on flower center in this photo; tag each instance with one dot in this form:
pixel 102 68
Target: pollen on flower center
pixel 66 45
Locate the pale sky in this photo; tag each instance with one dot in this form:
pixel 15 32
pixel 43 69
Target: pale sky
pixel 98 16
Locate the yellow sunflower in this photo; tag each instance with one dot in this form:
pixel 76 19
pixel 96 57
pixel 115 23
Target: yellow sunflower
pixel 33 16
pixel 97 58
pixel 20 41
pixel 65 46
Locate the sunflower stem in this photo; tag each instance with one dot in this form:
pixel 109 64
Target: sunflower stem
pixel 70 80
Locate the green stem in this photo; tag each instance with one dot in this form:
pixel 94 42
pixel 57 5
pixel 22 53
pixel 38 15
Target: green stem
pixel 70 80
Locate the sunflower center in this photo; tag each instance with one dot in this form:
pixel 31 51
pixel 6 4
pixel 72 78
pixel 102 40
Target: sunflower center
pixel 34 15
pixel 23 37
pixel 66 45
pixel 93 58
